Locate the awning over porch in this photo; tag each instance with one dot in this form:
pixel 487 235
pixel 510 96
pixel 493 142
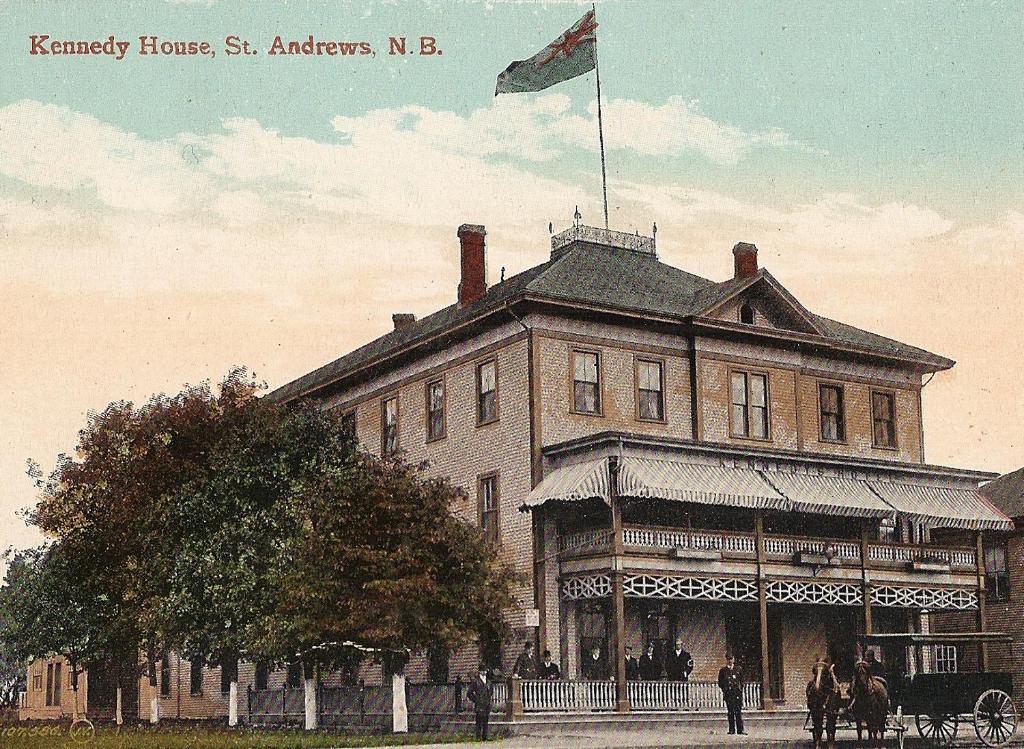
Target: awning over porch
pixel 696 482
pixel 658 477
pixel 943 507
pixel 572 483
pixel 829 495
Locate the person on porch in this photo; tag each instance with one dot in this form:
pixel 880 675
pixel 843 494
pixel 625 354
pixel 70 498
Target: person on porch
pixel 632 665
pixel 679 663
pixel 594 667
pixel 481 693
pixel 731 684
pixel 526 664
pixel 650 669
pixel 548 669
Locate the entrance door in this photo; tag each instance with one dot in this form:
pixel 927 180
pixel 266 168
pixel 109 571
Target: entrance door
pixel 593 628
pixel 743 638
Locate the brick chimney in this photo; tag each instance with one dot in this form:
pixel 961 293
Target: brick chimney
pixel 473 283
pixel 745 257
pixel 401 319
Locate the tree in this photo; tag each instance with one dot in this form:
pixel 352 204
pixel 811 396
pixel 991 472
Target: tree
pixel 12 669
pixel 382 564
pixel 47 608
pixel 109 504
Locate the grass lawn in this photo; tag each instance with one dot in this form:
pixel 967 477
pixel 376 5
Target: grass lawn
pixel 49 737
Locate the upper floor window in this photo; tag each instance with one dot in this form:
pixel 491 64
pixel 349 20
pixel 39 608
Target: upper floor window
pixel 389 425
pixel 945 659
pixel 749 414
pixel 888 532
pixel 487 392
pixel 435 410
pixel 747 314
pixel 833 420
pixel 586 382
pixel 883 419
pixel 195 675
pixel 997 574
pixel 650 397
pixel 487 496
pixel 348 424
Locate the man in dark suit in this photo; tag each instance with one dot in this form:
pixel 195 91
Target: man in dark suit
pixel 678 663
pixel 731 684
pixel 480 693
pixel 650 669
pixel 594 668
pixel 632 666
pixel 526 664
pixel 548 669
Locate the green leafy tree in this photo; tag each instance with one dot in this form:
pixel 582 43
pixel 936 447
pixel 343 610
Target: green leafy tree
pixel 381 564
pixel 47 608
pixel 110 503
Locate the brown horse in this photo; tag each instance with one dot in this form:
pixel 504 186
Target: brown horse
pixel 870 702
pixel 823 703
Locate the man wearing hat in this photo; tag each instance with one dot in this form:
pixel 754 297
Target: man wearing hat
pixel 526 664
pixel 480 693
pixel 548 669
pixel 731 684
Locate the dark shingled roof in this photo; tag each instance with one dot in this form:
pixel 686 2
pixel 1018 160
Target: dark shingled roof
pixel 597 276
pixel 1007 493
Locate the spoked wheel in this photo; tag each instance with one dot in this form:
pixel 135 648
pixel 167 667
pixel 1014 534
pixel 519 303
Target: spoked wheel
pixel 995 718
pixel 938 729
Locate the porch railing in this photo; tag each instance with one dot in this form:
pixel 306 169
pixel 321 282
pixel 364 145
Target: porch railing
pixel 562 696
pixel 789 546
pixel 775 546
pixel 591 696
pixel 896 553
pixel 667 538
pixel 597 538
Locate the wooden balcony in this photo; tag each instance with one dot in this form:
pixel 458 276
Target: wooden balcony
pixel 735 545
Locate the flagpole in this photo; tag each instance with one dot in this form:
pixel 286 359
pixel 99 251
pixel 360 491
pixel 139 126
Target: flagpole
pixel 600 127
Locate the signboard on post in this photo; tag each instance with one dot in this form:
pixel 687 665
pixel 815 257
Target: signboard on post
pixel 532 617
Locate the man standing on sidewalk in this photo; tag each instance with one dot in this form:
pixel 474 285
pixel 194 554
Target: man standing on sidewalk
pixel 480 693
pixel 731 684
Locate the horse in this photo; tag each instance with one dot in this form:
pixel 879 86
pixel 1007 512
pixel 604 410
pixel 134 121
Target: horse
pixel 870 704
pixel 823 703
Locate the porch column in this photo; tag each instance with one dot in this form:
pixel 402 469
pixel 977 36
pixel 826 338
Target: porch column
pixel 980 561
pixel 618 592
pixel 762 606
pixel 865 577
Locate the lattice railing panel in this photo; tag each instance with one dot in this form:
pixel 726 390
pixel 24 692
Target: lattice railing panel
pixel 690 588
pixel 957 599
pixel 834 594
pixel 587 586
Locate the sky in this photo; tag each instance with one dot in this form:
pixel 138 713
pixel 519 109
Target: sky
pixel 163 218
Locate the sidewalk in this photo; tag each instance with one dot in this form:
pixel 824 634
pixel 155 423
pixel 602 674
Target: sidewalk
pixel 768 736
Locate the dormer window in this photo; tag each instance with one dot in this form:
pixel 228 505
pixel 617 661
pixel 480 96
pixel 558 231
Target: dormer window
pixel 747 314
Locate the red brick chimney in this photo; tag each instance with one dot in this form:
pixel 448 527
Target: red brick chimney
pixel 401 319
pixel 474 263
pixel 745 257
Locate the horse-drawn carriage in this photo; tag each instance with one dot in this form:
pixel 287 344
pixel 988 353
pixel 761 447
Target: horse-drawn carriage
pixel 939 702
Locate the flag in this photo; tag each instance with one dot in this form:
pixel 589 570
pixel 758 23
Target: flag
pixel 572 54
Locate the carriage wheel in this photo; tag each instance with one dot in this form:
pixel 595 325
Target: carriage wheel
pixel 995 718
pixel 939 729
